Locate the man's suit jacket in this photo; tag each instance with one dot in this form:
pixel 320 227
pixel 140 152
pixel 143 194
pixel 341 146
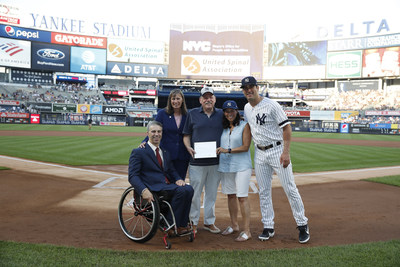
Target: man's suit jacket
pixel 172 139
pixel 145 172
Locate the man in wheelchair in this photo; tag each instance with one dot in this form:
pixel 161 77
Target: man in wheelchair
pixel 151 171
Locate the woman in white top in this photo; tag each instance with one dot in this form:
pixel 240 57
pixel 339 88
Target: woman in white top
pixel 236 168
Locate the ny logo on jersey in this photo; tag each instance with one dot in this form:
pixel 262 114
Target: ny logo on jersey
pixel 261 120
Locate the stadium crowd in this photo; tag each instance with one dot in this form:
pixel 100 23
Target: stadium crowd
pixel 60 93
pixel 326 99
pixel 363 100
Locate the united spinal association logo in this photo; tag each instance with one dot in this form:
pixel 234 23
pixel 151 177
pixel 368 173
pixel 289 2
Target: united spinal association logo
pixel 115 50
pixel 10 48
pixel 191 65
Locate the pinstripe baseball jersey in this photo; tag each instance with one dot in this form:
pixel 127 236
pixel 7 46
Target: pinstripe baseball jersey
pixel 266 120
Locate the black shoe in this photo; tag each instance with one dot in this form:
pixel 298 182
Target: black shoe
pixel 304 233
pixel 266 234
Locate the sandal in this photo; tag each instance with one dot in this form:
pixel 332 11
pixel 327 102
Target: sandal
pixel 242 237
pixel 227 231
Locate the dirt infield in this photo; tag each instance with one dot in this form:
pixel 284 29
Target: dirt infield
pixel 77 206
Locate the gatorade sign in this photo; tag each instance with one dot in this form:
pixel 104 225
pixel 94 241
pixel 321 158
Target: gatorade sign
pixel 35 118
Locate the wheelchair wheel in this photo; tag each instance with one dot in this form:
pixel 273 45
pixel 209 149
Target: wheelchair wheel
pixel 137 217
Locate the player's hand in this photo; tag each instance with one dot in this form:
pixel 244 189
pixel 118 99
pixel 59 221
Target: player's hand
pixel 147 195
pixel 285 160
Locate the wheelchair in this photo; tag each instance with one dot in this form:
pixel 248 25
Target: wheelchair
pixel 140 219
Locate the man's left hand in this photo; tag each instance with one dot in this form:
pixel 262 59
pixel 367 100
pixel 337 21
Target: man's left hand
pixel 180 182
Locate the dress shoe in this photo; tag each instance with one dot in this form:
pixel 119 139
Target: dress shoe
pixel 183 230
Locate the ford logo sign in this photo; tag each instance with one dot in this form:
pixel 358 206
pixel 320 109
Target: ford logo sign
pixel 48 53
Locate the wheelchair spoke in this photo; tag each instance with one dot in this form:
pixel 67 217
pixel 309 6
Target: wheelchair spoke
pixel 138 218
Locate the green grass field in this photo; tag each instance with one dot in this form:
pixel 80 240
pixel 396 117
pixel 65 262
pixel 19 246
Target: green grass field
pixel 369 254
pixel 306 157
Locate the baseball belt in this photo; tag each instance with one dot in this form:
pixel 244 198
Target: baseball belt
pixel 269 146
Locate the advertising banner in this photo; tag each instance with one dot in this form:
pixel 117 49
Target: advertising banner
pixel 141 93
pixel 10 20
pixel 35 118
pixel 342 115
pixel 35 107
pixel 9 102
pixel 75 79
pixel 382 113
pixel 114 110
pixel 322 115
pixel 322 130
pixel 96 109
pixel 50 57
pixel 344 128
pixel 9 14
pixel 381 62
pixel 142 70
pixel 83 108
pixel 344 64
pixel 14 115
pixel 135 51
pixel 24 33
pixel 15 53
pixel 212 65
pixel 365 42
pixel 215 55
pixel 14 120
pixel 70 108
pixel 141 114
pixel 63 119
pixel 88 60
pixel 297 113
pixel 78 40
pixel 112 123
pixel 381 125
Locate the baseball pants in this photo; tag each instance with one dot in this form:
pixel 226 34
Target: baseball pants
pixel 265 163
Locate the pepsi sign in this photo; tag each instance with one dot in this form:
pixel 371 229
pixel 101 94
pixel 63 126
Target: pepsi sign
pixel 50 57
pixel 24 33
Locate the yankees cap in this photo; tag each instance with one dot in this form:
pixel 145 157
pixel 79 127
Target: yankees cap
pixel 249 80
pixel 229 104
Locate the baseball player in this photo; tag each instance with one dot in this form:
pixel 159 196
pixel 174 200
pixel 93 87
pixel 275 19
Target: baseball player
pixel 271 133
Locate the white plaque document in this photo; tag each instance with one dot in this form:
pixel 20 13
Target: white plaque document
pixel 205 150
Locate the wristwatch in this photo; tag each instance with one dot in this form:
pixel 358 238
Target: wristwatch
pixel 229 150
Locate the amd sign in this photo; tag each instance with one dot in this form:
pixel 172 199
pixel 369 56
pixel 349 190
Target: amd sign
pixel 114 110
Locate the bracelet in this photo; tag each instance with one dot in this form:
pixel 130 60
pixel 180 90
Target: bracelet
pixel 229 150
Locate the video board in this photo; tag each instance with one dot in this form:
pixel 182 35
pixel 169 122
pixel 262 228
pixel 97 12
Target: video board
pixel 215 55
